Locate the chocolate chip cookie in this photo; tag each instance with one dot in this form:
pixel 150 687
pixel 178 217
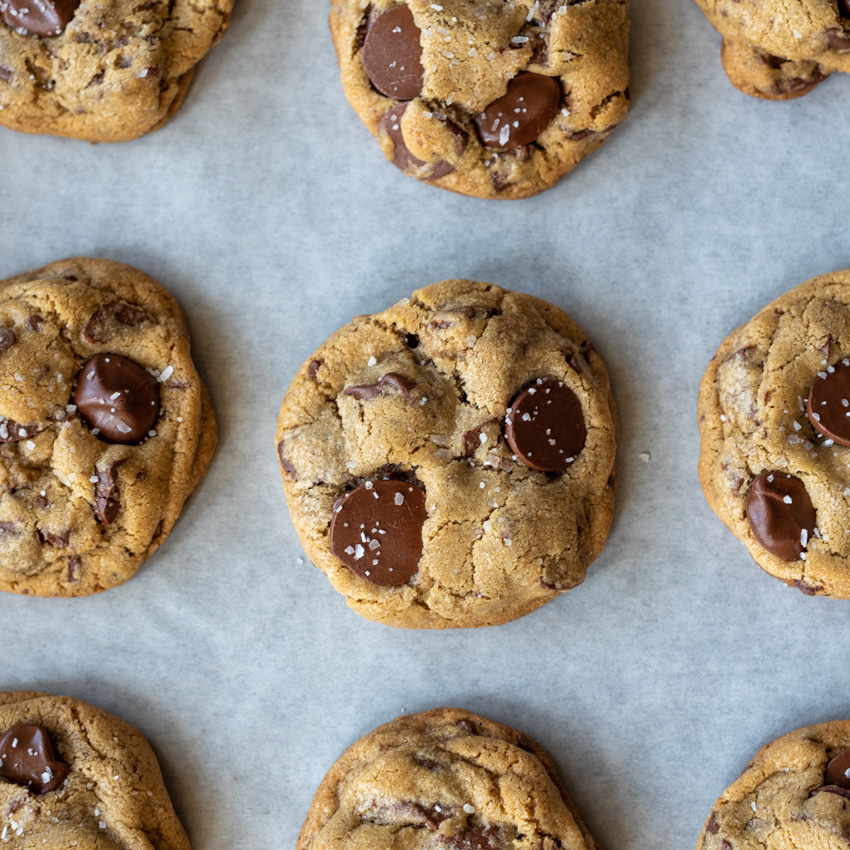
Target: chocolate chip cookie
pixel 445 778
pixel 495 100
pixel 779 51
pixel 105 426
pixel 793 794
pixel 450 461
pixel 72 775
pixel 101 70
pixel 774 418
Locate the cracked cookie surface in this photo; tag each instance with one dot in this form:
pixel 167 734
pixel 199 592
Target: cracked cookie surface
pixel 111 795
pixel 487 98
pixel 768 466
pixel 444 778
pixel 82 506
pixel 110 71
pixel 777 50
pixel 409 408
pixel 793 794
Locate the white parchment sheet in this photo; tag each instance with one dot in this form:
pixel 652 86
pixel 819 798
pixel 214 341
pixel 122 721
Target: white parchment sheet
pixel 270 213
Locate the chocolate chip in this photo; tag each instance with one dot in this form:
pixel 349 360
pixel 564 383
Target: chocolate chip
pixel 117 396
pixel 545 426
pixel 844 8
pixel 60 541
pixel 34 322
pixel 390 380
pixel 807 589
pixel 106 503
pixel 74 568
pixel 107 321
pixel 712 826
pixel 424 761
pixel 44 18
pixel 13 432
pixel 831 789
pixel 477 838
pixel 9 529
pixel 522 114
pixel 392 54
pixel 6 74
pixel 838 770
pixel 362 29
pixel 472 438
pixel 838 40
pixel 376 531
pixel 312 371
pixel 403 159
pixel 581 134
pixel 828 407
pixel 287 464
pixel 7 339
pixel 28 757
pixel 467 726
pixel 779 510
pixel 411 340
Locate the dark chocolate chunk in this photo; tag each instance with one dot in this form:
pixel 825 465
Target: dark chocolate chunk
pixel 376 531
pixel 472 438
pixel 107 321
pixel 838 40
pixel 838 770
pixel 106 503
pixel 6 74
pixel 522 114
pixel 844 8
pixel 828 407
pixel 28 757
pixel 403 159
pixel 12 432
pixel 545 426
pixel 392 54
pixel 7 339
pixel 118 397
pixel 779 511
pixel 313 369
pixel 39 17
pixel 60 541
pixel 390 380
pixel 288 465
pixel 831 789
pixel 34 322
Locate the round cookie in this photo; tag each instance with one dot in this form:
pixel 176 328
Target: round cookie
pixel 101 70
pixel 409 482
pixel 105 426
pixel 495 100
pixel 780 51
pixel 772 403
pixel 74 776
pixel 444 778
pixel 793 794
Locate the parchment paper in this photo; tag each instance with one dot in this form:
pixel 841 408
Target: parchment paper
pixel 268 210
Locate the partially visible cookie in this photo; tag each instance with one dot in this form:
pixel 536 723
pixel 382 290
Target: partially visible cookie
pixel 447 779
pixel 774 419
pixel 101 70
pixel 495 100
pixel 449 462
pixel 73 776
pixel 105 426
pixel 778 50
pixel 792 795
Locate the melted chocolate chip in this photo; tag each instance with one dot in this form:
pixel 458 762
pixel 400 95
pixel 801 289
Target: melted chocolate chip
pixel 779 510
pixel 109 319
pixel 117 396
pixel 288 466
pixel 392 54
pixel 403 159
pixel 838 40
pixel 392 380
pixel 60 541
pixel 7 339
pixel 34 322
pixel 831 789
pixel 313 370
pixel 106 503
pixel 472 438
pixel 376 531
pixel 838 771
pixel 13 432
pixel 39 17
pixel 28 757
pixel 828 407
pixel 522 114
pixel 545 426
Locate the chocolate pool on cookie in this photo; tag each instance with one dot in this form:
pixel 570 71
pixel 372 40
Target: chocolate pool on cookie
pixel 105 426
pixel 101 70
pixel 774 418
pixel 449 462
pixel 495 100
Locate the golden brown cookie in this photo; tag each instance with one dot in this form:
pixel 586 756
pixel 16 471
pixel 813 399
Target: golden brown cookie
pixel 793 795
pixel 445 778
pixel 774 418
pixel 73 776
pixel 101 70
pixel 778 50
pixel 105 426
pixel 495 100
pixel 449 462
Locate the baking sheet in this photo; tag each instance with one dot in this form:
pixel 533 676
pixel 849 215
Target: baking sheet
pixel 270 213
